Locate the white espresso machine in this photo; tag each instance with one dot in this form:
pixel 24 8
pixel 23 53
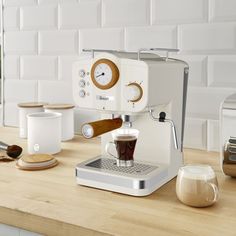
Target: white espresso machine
pixel 148 93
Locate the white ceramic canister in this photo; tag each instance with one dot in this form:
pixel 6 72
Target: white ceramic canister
pixel 24 110
pixel 44 133
pixel 67 111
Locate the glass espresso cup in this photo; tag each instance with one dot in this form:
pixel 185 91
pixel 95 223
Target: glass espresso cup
pixel 124 141
pixel 197 185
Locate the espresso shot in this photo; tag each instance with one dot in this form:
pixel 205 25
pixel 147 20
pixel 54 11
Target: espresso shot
pixel 124 141
pixel 125 146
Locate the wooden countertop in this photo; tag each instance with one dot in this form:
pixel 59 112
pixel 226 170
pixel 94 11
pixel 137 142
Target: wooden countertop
pixel 49 202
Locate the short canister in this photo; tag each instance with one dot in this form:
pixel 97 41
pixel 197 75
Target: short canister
pixel 44 133
pixel 24 110
pixel 67 111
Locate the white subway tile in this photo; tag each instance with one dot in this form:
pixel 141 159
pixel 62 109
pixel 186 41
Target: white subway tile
pixel 55 92
pixel 19 2
pixel 195 135
pixel 213 136
pixel 80 15
pixel 20 42
pixel 11 18
pixel 197 69
pixel 222 10
pixel 7 230
pixel 11 67
pixel 181 11
pixel 39 17
pixel 208 38
pixel 222 71
pixel 56 1
pixel 102 39
pixel 65 67
pixel 147 37
pixel 28 233
pixel 38 67
pixel 124 13
pixel 205 102
pixel 20 90
pixel 11 118
pixel 58 42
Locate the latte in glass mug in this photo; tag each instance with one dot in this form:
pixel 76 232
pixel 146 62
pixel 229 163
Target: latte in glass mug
pixel 197 185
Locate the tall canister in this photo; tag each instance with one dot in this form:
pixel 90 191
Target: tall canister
pixel 228 135
pixel 24 110
pixel 67 111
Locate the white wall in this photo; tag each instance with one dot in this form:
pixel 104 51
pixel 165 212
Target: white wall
pixel 43 37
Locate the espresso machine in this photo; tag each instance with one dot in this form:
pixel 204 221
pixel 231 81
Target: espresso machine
pixel 145 91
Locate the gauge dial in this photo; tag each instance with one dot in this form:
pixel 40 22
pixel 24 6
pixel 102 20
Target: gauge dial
pixel 104 74
pixel 133 92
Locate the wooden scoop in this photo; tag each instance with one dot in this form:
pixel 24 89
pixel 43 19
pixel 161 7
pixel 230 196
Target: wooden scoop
pixel 12 150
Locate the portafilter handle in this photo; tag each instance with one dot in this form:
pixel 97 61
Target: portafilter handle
pixel 96 128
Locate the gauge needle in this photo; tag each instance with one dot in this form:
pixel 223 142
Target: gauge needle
pixel 100 75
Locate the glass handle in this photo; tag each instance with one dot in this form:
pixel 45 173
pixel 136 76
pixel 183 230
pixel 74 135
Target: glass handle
pixel 107 149
pixel 215 190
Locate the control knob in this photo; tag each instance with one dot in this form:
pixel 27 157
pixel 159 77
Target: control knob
pixel 133 92
pixel 82 83
pixel 82 93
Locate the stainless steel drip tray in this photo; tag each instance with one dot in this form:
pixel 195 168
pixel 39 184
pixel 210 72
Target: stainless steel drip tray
pixel 139 180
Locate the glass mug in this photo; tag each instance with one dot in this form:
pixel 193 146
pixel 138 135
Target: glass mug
pixel 124 140
pixel 197 185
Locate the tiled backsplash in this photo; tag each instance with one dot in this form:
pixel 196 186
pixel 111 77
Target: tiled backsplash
pixel 43 37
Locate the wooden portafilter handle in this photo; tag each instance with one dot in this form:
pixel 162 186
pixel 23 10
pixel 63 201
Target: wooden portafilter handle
pixel 96 128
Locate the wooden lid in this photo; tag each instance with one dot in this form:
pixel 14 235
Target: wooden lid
pixel 59 106
pixel 36 162
pixel 37 158
pixel 31 104
pixel 22 167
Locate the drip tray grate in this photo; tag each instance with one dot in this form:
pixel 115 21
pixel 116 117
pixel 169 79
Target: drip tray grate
pixel 109 164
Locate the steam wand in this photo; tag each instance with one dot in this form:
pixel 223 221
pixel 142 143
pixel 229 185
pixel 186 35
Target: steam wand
pixel 162 118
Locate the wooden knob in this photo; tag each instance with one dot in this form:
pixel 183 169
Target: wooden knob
pixel 96 128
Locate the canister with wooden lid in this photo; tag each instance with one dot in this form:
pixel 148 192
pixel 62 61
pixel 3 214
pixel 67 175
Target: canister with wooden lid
pixel 67 111
pixel 24 110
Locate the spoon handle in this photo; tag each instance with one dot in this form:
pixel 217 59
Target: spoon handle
pixel 3 146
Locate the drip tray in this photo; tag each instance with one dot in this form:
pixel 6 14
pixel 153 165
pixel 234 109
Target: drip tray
pixel 107 164
pixel 139 180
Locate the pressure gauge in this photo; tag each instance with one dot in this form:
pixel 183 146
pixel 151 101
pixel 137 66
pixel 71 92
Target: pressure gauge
pixel 104 74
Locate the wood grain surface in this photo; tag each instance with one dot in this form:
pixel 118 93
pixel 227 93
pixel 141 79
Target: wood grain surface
pixel 49 202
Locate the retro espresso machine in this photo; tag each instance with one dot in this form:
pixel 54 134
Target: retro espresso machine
pixel 145 91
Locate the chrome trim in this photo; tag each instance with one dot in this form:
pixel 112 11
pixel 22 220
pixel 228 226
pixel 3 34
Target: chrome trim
pixel 185 86
pixel 167 50
pixel 139 52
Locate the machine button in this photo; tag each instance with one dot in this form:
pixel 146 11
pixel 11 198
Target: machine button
pixel 82 93
pixel 82 73
pixel 133 92
pixel 82 83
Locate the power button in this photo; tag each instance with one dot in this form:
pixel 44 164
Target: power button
pixel 82 93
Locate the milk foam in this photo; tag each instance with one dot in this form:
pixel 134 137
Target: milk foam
pixel 200 172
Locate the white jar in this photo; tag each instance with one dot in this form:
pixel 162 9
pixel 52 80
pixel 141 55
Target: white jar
pixel 44 133
pixel 67 111
pixel 24 110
